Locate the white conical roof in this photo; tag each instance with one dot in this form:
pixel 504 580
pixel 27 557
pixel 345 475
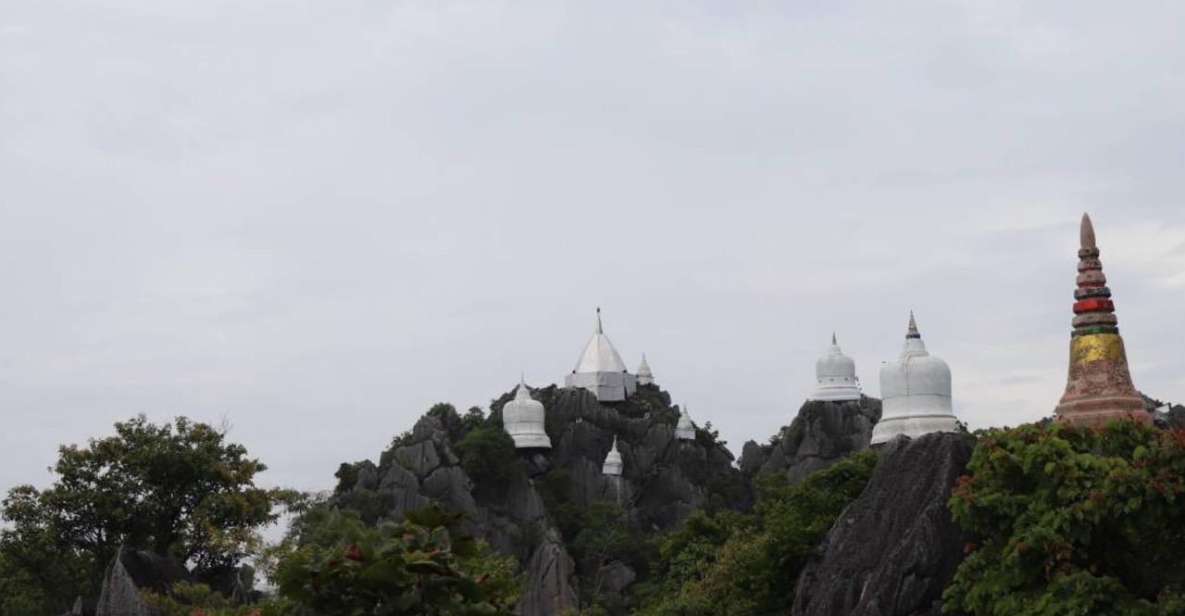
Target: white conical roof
pixel 599 354
pixel 523 419
pixel 645 376
pixel 835 376
pixel 684 430
pixel 917 392
pixel 613 463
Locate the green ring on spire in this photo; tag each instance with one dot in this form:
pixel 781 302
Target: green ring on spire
pixel 1087 331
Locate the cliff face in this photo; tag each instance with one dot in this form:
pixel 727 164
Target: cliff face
pixel 896 547
pixel 664 480
pixel 822 434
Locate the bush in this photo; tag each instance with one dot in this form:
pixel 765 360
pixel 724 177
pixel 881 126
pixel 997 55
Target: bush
pixel 336 564
pixel 1072 521
pixel 730 563
pixel 488 456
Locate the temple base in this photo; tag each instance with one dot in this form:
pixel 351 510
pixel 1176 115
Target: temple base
pixel 531 441
pixel 1098 412
pixel 913 426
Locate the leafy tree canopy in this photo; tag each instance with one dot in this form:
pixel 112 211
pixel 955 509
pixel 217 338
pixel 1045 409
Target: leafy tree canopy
pixel 178 489
pixel 334 563
pixel 1073 521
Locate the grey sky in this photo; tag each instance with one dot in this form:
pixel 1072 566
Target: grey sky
pixel 318 218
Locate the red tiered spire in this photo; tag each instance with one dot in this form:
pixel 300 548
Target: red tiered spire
pixel 1099 388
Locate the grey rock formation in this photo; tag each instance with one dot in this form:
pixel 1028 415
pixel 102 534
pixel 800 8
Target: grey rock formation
pixel 76 610
pixel 895 548
pixel 616 576
pixel 822 434
pixel 551 580
pixel 664 480
pixel 120 596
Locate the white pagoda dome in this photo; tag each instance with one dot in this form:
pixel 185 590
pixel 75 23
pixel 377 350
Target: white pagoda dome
pixel 684 430
pixel 613 462
pixel 601 371
pixel 835 376
pixel 916 392
pixel 522 418
pixel 645 376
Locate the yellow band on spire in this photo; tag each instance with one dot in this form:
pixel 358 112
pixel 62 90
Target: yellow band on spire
pixel 1097 347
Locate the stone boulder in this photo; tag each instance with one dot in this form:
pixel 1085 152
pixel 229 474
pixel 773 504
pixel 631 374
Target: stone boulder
pixel 822 434
pixel 895 548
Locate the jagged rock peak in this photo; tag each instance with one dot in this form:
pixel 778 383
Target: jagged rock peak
pixel 896 547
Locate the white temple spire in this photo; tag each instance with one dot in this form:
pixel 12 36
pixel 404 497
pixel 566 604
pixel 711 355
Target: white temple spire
pixel 645 376
pixel 613 463
pixel 600 369
pixel 835 376
pixel 685 430
pixel 917 392
pixel 523 419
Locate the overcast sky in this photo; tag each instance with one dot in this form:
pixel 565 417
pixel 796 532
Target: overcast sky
pixel 315 219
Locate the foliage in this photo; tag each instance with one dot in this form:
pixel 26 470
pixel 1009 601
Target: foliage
pixel 729 563
pixel 186 599
pixel 1073 521
pixel 333 563
pixel 488 456
pixel 178 489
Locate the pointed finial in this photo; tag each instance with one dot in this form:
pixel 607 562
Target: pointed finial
pixel 1086 233
pixel 614 448
pixel 600 329
pixel 833 341
pixel 913 327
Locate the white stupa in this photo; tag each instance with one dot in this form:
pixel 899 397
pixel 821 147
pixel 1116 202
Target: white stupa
pixel 613 462
pixel 522 418
pixel 645 376
pixel 684 430
pixel 601 371
pixel 835 375
pixel 916 392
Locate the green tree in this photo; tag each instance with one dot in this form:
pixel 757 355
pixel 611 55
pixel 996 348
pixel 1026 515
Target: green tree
pixel 488 456
pixel 733 564
pixel 1073 521
pixel 334 563
pixel 178 489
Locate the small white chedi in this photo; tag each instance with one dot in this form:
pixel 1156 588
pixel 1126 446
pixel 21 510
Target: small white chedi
pixel 601 371
pixel 916 393
pixel 835 376
pixel 645 376
pixel 684 430
pixel 613 463
pixel 523 419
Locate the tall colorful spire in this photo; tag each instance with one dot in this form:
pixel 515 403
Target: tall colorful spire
pixel 1099 388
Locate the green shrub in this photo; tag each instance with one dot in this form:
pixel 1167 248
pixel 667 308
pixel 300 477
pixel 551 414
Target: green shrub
pixel 733 564
pixel 489 458
pixel 335 564
pixel 1072 521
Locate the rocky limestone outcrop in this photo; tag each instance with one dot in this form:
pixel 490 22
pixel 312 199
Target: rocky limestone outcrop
pixel 551 576
pixel 664 480
pixel 130 572
pixel 895 548
pixel 822 434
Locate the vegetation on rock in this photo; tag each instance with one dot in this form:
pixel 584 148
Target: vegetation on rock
pixel 731 563
pixel 333 563
pixel 177 489
pixel 1073 521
